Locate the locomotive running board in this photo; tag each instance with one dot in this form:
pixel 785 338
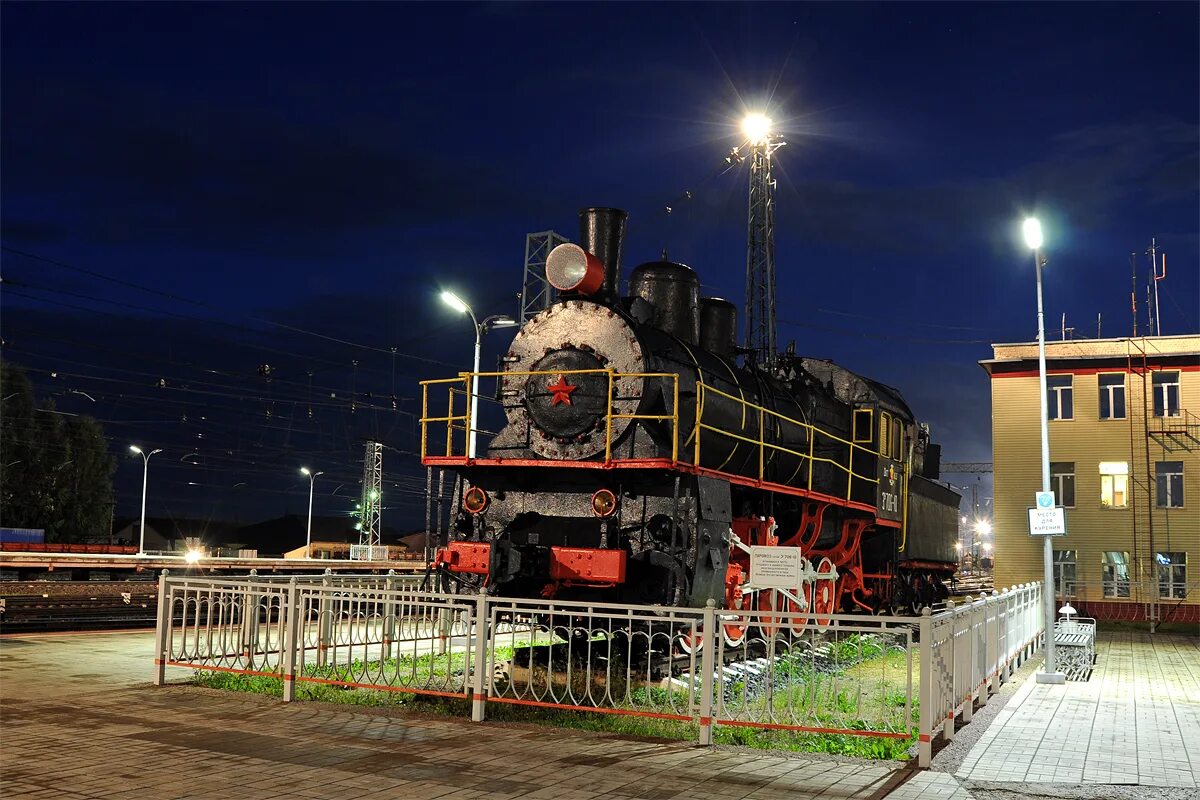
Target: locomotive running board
pixel 657 463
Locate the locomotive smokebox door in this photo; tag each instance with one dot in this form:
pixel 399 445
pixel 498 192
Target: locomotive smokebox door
pixel 890 500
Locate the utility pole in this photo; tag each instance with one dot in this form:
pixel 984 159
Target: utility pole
pixel 370 524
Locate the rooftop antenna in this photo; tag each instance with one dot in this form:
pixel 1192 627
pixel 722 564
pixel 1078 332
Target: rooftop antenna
pixel 760 241
pixel 1154 272
pixel 1149 313
pixel 1133 289
pixel 1098 325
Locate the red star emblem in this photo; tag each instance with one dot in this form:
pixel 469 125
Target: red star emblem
pixel 561 390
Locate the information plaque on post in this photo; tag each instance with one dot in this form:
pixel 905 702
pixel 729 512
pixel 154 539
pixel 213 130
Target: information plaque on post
pixel 1045 518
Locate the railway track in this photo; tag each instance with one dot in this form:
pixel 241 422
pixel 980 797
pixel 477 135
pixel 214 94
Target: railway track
pixel 27 613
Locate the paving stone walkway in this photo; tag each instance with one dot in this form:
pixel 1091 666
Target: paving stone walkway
pixel 1136 722
pixel 78 722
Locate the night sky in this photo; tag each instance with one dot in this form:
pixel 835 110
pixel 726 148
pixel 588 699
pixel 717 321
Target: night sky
pixel 192 191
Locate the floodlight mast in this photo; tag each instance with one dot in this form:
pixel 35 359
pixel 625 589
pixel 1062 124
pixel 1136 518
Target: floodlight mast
pixel 760 241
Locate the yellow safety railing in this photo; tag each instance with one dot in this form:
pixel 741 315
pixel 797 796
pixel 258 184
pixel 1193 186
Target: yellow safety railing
pixel 462 385
pixel 810 458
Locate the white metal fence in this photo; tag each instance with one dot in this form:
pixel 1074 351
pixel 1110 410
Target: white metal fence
pixel 890 677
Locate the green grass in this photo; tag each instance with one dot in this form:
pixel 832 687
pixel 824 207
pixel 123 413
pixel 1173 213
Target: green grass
pixel 867 686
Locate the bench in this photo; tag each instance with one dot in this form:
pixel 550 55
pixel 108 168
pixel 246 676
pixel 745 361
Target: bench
pixel 1075 646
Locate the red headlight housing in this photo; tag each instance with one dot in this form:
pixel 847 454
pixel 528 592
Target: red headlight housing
pixel 570 268
pixel 475 500
pixel 604 503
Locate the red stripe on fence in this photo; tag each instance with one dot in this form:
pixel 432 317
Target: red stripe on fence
pixel 212 668
pixel 807 729
pixel 409 690
pixel 619 711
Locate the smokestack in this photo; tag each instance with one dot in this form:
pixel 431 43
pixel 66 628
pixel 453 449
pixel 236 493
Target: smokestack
pixel 602 233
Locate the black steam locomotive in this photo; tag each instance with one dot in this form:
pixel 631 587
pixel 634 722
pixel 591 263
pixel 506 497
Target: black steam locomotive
pixel 639 463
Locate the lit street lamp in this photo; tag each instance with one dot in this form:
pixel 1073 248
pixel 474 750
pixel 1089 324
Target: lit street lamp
pixel 497 321
pixel 1032 230
pixel 312 479
pixel 145 477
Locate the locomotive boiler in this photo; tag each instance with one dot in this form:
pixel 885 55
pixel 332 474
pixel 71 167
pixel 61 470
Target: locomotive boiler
pixel 639 462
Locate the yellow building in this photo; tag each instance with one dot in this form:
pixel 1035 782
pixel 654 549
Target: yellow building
pixel 1124 419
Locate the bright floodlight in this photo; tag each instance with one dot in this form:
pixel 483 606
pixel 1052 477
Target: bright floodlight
pixel 135 449
pixel 983 527
pixel 304 471
pixel 756 127
pixel 192 556
pixel 1033 233
pixel 452 300
pixel 501 321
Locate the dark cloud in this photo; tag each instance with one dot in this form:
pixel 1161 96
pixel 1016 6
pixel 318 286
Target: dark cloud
pixel 1084 175
pixel 30 232
pixel 132 165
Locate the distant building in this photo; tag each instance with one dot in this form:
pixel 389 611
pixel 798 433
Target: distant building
pixel 164 534
pixel 275 537
pixel 1124 420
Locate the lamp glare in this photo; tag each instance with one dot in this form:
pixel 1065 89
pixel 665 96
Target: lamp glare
pixel 756 127
pixel 452 300
pixel 1033 233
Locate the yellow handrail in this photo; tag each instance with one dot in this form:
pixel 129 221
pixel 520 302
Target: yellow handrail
pixel 465 378
pixel 463 383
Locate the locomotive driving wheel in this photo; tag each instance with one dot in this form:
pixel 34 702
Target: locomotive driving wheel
pixel 825 594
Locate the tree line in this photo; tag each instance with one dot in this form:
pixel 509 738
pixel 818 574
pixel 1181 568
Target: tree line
pixel 55 469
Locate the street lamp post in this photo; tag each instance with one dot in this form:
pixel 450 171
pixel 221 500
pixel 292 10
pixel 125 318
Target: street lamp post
pixel 145 479
pixel 496 321
pixel 1033 239
pixel 312 479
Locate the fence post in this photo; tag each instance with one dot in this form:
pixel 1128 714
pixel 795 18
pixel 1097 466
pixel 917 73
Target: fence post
pixel 955 670
pixel 995 657
pixel 161 642
pixel 1027 633
pixel 250 621
pixel 480 683
pixel 973 608
pixel 389 614
pixel 708 677
pixel 291 628
pixel 324 618
pixel 925 692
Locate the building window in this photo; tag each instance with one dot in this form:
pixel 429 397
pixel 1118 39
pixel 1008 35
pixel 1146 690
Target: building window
pixel 1172 575
pixel 1166 394
pixel 862 424
pixel 1062 481
pixel 1168 484
pixel 1058 397
pixel 1114 484
pixel 1112 395
pixel 1064 573
pixel 1116 574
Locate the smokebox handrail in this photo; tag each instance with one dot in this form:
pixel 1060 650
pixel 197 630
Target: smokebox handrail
pixel 464 379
